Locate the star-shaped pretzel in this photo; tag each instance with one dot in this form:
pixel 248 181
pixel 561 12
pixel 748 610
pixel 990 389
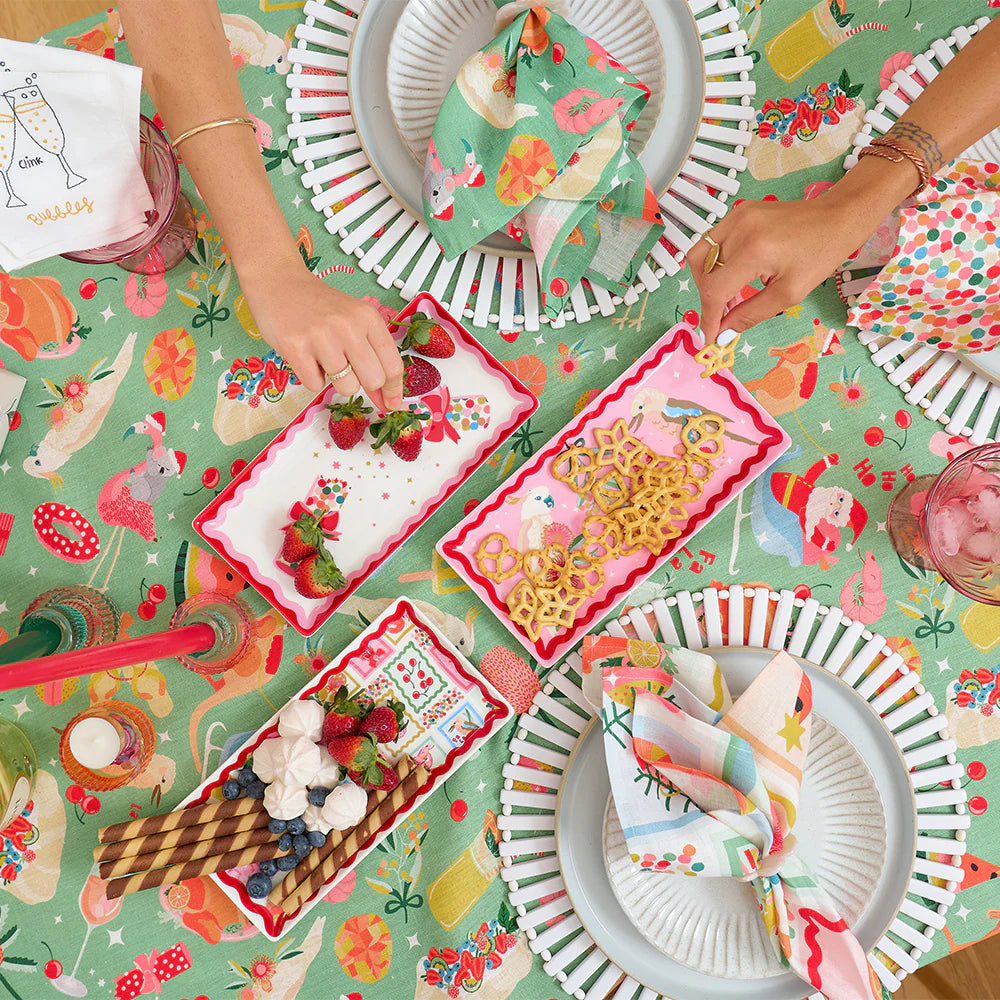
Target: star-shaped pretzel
pixel 715 357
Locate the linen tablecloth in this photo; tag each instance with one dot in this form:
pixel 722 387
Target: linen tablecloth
pixel 102 349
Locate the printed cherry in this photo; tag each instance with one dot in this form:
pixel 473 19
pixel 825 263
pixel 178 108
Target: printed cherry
pixel 157 593
pixel 976 770
pixel 53 967
pixel 74 794
pixel 88 287
pixel 91 805
pixel 978 805
pixel 874 436
pixel 691 317
pixel 803 591
pixel 237 467
pixel 903 419
pixel 15 420
pixel 459 810
pixel 146 610
pixel 558 53
pixel 210 478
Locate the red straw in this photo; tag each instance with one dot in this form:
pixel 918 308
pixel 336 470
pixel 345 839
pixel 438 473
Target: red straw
pixel 195 638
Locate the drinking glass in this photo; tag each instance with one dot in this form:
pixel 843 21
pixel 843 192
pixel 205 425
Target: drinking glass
pixel 42 126
pixel 7 156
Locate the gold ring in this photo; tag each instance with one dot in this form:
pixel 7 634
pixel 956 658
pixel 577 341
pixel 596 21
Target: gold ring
pixel 343 373
pixel 712 260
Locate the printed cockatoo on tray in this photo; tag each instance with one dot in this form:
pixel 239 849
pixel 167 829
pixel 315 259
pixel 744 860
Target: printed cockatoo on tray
pixel 536 517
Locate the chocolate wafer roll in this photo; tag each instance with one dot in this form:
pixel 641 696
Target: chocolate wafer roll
pixel 186 852
pixel 191 869
pixel 404 793
pixel 215 830
pixel 211 810
pixel 299 874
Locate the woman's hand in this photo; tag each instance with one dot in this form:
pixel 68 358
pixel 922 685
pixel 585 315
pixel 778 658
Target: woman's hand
pixel 791 246
pixel 319 331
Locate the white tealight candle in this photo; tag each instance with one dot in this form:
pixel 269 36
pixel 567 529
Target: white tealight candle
pixel 94 742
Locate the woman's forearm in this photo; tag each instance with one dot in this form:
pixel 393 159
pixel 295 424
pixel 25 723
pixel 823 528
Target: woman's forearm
pixel 189 75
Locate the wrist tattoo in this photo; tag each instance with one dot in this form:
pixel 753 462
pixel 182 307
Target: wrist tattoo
pixel 922 142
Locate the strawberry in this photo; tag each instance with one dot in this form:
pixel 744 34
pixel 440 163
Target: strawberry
pixel 401 432
pixel 419 376
pixel 428 338
pixel 388 780
pixel 303 537
pixel 348 422
pixel 318 576
pixel 359 756
pixel 343 718
pixel 384 722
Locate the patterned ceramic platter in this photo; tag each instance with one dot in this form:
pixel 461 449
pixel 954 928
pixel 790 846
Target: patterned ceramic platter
pixel 960 391
pixel 655 398
pixel 451 710
pixel 901 880
pixel 842 835
pixel 358 63
pixel 244 522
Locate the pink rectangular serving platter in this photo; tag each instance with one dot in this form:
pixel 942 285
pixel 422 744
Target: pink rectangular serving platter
pixel 664 381
pixel 450 711
pixel 478 406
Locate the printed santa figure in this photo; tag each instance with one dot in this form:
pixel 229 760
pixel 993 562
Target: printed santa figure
pixel 795 517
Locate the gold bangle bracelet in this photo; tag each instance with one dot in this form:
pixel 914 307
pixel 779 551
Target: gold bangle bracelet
pixel 207 125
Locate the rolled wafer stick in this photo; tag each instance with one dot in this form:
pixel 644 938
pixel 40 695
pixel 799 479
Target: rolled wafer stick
pixel 191 869
pixel 300 873
pixel 207 811
pixel 214 830
pixel 186 852
pixel 404 793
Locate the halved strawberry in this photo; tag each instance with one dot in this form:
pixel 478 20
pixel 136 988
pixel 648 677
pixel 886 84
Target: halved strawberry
pixel 348 422
pixel 419 376
pixel 318 576
pixel 401 431
pixel 428 338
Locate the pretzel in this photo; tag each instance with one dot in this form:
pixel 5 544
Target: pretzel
pixel 610 440
pixel 494 564
pixel 585 575
pixel 572 464
pixel 609 492
pixel 699 432
pixel 604 534
pixel 546 567
pixel 715 357
pixel 522 603
pixel 557 608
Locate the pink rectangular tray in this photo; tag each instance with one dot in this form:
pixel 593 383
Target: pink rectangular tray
pixel 477 407
pixel 664 380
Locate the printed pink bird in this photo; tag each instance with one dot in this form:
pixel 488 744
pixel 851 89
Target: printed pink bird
pixel 126 499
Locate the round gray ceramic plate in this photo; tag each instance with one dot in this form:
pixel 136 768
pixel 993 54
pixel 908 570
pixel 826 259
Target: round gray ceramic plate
pixel 375 59
pixel 583 797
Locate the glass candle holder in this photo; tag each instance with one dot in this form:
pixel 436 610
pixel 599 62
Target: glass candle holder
pixel 230 619
pixel 171 226
pixel 961 524
pixel 107 745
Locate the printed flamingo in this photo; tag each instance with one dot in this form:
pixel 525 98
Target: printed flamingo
pixel 126 499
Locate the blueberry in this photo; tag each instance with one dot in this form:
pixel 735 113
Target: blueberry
pixel 300 844
pixel 285 842
pixel 296 826
pixel 258 886
pixel 317 795
pixel 268 867
pixel 287 862
pixel 277 826
pixel 256 789
pixel 231 789
pixel 316 838
pixel 245 775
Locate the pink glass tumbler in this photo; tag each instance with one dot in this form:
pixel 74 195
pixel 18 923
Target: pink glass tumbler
pixel 171 229
pixel 961 524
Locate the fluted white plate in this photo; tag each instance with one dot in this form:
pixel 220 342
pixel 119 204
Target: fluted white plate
pixel 841 837
pixel 883 871
pixel 405 57
pixel 421 69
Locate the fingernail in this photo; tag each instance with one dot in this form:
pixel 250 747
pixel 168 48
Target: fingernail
pixel 726 337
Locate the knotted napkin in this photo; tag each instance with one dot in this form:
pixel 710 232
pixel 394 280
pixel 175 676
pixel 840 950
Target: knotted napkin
pixel 70 174
pixel 940 259
pixel 734 770
pixel 532 139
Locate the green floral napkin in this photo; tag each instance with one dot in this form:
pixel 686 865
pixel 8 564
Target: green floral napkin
pixel 532 139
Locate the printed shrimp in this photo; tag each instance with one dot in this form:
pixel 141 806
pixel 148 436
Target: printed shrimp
pixel 864 602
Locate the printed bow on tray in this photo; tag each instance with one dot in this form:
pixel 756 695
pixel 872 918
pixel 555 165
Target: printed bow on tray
pixel 532 139
pixel 736 768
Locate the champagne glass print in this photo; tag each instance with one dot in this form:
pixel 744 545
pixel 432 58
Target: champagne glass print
pixel 38 120
pixel 7 151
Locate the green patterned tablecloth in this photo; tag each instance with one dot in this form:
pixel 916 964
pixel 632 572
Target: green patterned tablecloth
pixel 101 349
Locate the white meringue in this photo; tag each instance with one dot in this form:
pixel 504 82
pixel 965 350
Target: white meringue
pixel 302 718
pixel 345 806
pixel 294 761
pixel 263 759
pixel 328 773
pixel 314 820
pixel 285 801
